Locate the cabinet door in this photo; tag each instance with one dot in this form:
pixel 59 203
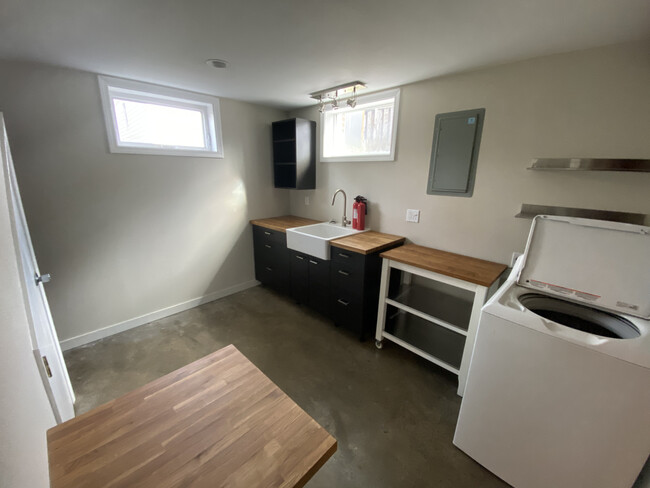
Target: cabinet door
pixel 319 285
pixel 299 264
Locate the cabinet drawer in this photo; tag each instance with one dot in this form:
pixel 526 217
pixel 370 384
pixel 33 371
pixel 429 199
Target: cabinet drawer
pixel 267 236
pixel 351 261
pixel 269 250
pixel 347 311
pixel 269 274
pixel 346 278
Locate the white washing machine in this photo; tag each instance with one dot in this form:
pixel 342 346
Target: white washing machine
pixel 558 389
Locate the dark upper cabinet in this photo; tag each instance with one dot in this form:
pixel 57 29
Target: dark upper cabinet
pixel 294 154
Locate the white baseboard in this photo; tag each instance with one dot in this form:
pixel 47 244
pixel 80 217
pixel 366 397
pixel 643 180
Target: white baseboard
pixel 95 335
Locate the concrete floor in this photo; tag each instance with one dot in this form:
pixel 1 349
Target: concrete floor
pixel 392 413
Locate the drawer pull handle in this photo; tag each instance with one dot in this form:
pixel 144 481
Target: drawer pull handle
pixel 313 262
pixel 269 269
pixel 267 246
pixel 300 257
pixel 343 255
pixel 344 273
pixel 343 302
pixel 267 233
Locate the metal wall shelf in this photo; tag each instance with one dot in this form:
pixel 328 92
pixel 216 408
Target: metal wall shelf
pixel 586 164
pixel 529 211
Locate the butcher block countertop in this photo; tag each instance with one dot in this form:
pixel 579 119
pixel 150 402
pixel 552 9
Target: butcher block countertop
pixel 283 223
pixel 464 268
pixel 368 242
pixel 363 243
pixel 217 422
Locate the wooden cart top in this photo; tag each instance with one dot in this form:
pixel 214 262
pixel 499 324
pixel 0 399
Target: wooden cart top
pixel 473 270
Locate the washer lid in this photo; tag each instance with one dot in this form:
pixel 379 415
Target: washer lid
pixel 603 264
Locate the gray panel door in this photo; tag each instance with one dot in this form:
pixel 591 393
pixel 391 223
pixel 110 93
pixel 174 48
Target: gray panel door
pixel 454 153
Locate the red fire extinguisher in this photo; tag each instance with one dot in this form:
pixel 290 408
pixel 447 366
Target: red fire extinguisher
pixel 359 211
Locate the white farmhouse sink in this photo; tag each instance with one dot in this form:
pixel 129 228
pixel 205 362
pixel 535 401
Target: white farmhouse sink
pixel 315 239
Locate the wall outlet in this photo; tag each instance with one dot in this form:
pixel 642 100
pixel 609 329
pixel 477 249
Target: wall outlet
pixel 412 215
pixel 306 200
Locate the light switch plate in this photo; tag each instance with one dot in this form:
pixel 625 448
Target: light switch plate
pixel 412 215
pixel 306 200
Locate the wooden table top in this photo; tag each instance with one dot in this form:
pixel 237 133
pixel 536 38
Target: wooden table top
pixel 217 422
pixel 283 223
pixel 464 268
pixel 367 242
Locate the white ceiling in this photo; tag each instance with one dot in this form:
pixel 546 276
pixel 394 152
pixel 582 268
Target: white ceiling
pixel 281 50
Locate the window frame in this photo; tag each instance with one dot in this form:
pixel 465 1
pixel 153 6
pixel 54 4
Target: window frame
pixel 363 99
pixel 110 87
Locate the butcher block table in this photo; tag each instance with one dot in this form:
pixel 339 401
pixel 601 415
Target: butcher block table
pixel 217 422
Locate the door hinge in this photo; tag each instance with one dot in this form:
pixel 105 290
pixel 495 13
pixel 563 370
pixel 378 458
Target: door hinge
pixel 44 278
pixel 48 371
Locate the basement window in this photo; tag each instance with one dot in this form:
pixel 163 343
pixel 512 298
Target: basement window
pixel 150 119
pixel 366 132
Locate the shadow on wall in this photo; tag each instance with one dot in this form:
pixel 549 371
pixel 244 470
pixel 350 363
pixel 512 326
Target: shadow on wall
pixel 164 247
pixel 231 260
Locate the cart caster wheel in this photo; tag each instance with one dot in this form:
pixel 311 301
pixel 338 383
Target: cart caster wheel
pixel 379 344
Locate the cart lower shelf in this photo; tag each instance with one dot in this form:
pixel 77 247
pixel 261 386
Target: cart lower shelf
pixel 443 346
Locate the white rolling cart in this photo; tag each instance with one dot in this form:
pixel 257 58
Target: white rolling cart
pixel 435 309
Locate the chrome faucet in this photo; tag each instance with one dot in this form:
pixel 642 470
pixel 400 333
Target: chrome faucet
pixel 344 221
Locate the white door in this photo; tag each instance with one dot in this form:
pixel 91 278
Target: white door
pixel 47 351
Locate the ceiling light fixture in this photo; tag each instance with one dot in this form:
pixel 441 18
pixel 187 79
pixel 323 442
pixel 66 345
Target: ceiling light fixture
pixel 338 93
pixel 352 101
pixel 216 63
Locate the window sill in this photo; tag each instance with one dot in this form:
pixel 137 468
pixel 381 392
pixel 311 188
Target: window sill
pixel 354 159
pixel 167 152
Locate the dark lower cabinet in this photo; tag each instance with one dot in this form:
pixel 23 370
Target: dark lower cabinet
pixel 354 290
pixel 310 281
pixel 345 288
pixel 271 258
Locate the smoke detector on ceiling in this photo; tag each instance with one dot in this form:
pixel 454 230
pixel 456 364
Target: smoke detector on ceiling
pixel 217 63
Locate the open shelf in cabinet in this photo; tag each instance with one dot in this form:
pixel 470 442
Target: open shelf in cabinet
pixel 294 154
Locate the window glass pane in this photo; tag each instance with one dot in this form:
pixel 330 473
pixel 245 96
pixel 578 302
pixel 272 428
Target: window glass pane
pixel 365 130
pixel 149 123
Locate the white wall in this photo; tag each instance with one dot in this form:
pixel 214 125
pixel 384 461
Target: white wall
pixel 592 103
pixel 127 235
pixel 25 412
